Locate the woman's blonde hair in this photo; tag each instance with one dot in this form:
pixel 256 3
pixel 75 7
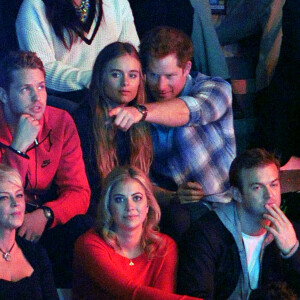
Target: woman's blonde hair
pixel 10 174
pixel 150 241
pixel 104 131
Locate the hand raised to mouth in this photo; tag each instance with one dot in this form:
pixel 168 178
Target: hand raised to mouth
pixel 281 228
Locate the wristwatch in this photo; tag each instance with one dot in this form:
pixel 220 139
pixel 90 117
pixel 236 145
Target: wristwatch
pixel 143 110
pixel 48 214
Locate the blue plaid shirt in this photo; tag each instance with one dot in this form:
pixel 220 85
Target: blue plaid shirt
pixel 202 150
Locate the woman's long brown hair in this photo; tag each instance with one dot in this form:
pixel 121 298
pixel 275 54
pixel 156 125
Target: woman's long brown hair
pixel 104 131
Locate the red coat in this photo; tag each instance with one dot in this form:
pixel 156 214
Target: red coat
pixel 57 159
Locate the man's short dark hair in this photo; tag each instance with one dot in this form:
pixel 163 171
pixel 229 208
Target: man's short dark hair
pixel 17 60
pixel 162 41
pixel 249 159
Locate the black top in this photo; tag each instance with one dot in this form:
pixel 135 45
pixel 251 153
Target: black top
pixel 84 121
pixel 39 285
pixel 151 13
pixel 8 37
pixel 278 122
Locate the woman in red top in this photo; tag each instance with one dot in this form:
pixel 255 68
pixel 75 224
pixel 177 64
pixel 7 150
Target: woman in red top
pixel 125 257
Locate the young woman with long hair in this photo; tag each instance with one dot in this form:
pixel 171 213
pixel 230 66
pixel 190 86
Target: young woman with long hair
pixel 117 80
pixel 125 257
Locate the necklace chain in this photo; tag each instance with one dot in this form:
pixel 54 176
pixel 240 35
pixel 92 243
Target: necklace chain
pixel 83 10
pixel 6 255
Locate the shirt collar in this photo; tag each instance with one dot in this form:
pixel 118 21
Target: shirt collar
pixel 187 86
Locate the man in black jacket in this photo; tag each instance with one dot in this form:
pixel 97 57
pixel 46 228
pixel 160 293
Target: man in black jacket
pixel 245 244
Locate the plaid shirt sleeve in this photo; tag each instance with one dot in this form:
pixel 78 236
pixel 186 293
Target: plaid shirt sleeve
pixel 209 99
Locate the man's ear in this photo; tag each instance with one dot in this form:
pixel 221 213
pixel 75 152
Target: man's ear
pixel 236 194
pixel 3 95
pixel 187 68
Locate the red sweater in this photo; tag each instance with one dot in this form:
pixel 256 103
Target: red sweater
pixel 101 273
pixel 57 159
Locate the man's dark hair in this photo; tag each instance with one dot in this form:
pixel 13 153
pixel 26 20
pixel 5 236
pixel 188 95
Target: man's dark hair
pixel 162 41
pixel 249 159
pixel 18 60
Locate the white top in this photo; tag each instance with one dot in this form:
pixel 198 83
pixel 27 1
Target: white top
pixel 253 248
pixel 66 70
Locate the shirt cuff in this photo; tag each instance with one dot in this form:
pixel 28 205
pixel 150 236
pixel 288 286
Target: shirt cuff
pixel 193 105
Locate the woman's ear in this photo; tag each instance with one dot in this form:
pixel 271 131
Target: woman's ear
pixel 3 96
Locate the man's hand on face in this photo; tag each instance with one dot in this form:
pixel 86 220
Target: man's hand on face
pixel 26 132
pixel 189 192
pixel 33 226
pixel 125 117
pixel 281 228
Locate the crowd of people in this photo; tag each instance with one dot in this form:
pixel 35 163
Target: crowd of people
pixel 143 180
